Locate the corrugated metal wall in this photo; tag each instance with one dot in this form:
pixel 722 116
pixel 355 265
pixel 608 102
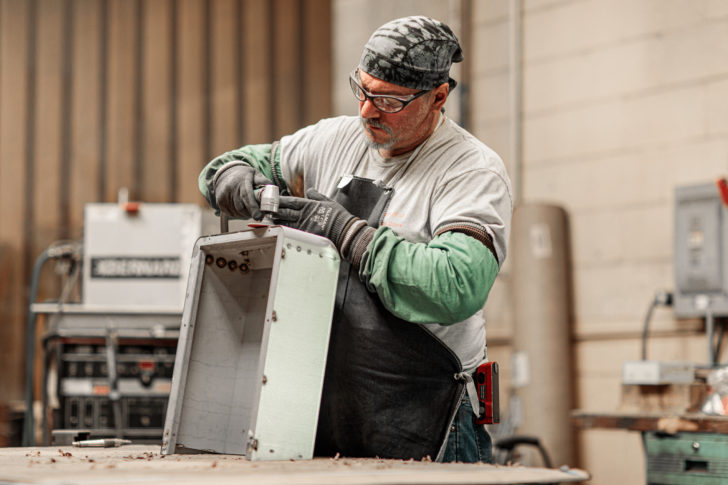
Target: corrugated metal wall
pixel 96 95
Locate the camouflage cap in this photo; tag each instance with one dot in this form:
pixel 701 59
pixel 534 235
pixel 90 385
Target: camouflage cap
pixel 413 52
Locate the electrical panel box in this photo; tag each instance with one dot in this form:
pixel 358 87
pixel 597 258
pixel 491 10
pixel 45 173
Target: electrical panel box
pixel 251 356
pixel 137 255
pixel 701 266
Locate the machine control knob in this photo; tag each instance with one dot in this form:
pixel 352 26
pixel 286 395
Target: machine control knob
pixel 695 446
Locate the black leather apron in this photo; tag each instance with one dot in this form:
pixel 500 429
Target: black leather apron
pixel 391 388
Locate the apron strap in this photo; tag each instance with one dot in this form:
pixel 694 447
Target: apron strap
pixel 472 391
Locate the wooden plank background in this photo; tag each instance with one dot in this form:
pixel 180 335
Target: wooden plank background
pixel 96 95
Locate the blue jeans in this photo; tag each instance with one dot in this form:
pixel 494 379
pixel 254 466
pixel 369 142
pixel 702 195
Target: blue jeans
pixel 468 442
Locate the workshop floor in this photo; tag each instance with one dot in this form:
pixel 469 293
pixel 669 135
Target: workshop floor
pixel 144 465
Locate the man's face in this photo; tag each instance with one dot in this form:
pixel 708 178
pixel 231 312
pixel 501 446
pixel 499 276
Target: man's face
pixel 395 133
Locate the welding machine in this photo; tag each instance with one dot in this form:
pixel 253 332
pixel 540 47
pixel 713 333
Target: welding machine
pixel 110 356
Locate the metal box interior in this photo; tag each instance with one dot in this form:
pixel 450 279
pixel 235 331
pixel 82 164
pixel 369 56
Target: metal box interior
pixel 253 343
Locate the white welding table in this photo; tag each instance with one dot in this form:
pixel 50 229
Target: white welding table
pixel 139 464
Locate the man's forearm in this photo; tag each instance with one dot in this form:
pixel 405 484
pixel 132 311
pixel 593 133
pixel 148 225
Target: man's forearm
pixel 445 281
pixel 263 158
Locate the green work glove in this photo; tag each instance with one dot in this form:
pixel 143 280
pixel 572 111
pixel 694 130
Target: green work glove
pixel 322 216
pixel 234 190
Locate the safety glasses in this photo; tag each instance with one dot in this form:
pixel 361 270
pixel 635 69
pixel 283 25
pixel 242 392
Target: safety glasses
pixel 383 102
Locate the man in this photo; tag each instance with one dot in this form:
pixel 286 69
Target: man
pixel 420 212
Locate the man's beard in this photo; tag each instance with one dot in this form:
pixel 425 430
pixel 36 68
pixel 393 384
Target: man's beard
pixel 376 124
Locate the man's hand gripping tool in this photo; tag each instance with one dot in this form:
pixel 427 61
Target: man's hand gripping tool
pixel 268 197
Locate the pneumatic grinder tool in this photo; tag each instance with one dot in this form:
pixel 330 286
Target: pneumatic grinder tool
pixel 268 197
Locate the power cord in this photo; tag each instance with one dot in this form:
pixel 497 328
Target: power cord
pixel 661 298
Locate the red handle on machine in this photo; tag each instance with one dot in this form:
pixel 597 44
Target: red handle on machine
pixel 723 190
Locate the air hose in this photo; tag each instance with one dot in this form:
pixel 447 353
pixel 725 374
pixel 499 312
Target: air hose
pixel 59 250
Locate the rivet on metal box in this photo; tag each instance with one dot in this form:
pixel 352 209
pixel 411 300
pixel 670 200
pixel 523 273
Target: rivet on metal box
pixel 253 342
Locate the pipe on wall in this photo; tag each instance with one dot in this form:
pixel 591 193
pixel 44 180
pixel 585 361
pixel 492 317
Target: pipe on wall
pixel 542 393
pixel 515 94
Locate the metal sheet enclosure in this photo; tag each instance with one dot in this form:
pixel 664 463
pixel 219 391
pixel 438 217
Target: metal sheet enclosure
pixel 253 342
pixel 138 260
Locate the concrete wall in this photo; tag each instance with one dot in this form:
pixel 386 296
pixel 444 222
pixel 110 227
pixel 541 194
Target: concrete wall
pixel 623 100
